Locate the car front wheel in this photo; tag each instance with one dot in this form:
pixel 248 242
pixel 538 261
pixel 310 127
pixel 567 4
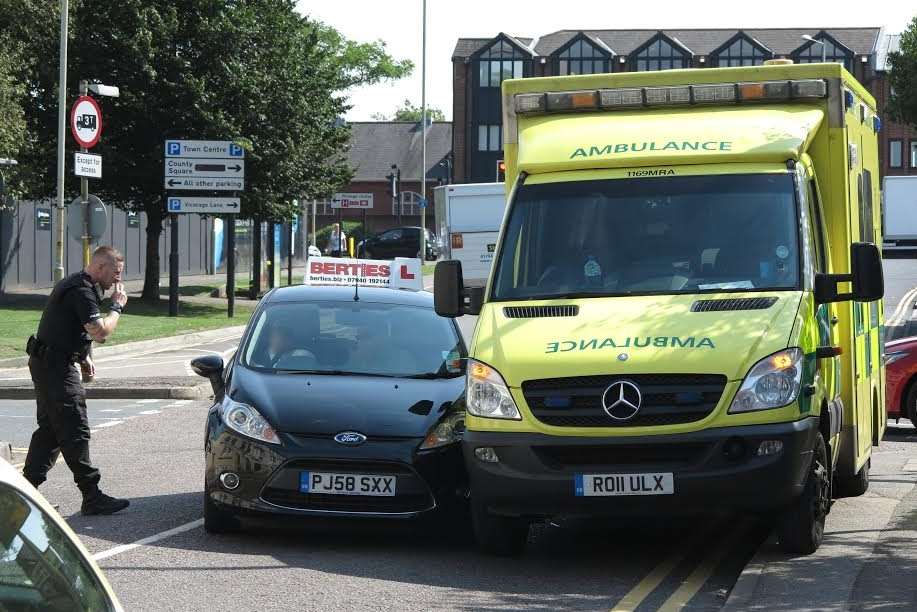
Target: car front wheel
pixel 498 535
pixel 217 520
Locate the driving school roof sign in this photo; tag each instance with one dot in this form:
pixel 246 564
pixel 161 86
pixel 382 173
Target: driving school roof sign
pixel 401 273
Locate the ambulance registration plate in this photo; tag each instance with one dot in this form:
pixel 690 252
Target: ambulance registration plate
pixel 598 485
pixel 346 484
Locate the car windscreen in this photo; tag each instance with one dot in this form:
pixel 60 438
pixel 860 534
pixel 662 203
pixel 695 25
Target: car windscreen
pixel 40 568
pixel 668 235
pixel 354 337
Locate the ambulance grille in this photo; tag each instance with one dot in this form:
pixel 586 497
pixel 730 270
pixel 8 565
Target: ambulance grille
pixel 533 312
pixel 668 399
pixel 759 303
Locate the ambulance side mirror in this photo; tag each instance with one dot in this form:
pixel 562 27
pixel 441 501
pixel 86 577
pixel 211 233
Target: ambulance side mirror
pixel 866 278
pixel 448 289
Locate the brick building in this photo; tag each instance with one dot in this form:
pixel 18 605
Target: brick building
pixel 480 65
pixel 375 146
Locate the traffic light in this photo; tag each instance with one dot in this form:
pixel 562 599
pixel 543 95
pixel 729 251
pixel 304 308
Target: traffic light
pixel 501 170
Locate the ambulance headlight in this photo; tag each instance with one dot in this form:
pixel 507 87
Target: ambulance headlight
pixel 773 382
pixel 486 395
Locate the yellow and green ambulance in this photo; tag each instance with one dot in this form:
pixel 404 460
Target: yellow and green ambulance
pixel 684 312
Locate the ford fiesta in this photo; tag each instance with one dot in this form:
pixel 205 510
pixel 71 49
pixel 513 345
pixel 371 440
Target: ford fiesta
pixel 337 403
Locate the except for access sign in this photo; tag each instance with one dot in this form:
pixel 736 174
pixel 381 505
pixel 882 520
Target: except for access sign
pixel 355 201
pixel 208 184
pixel 206 206
pixel 205 167
pixel 204 148
pixel 87 165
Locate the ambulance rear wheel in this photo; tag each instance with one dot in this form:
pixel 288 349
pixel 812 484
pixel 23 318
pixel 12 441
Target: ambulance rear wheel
pixel 498 535
pixel 853 486
pixel 801 527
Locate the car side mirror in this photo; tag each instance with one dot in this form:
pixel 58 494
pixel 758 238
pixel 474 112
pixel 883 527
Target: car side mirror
pixel 866 277
pixel 448 289
pixel 210 367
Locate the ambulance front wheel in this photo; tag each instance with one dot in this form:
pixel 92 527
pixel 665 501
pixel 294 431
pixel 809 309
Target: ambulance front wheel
pixel 801 527
pixel 498 535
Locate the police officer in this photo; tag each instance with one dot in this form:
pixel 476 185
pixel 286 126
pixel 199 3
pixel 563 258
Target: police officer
pixel 70 322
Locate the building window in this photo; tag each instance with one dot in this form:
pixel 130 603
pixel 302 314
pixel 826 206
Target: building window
pixel 581 57
pixel 812 53
pixel 895 151
pixel 660 55
pixel 914 154
pixel 489 138
pixel 742 52
pixel 410 204
pixel 502 61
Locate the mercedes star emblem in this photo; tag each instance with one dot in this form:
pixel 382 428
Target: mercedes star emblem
pixel 622 400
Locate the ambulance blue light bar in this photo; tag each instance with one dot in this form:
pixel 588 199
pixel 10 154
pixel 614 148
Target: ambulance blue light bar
pixel 678 95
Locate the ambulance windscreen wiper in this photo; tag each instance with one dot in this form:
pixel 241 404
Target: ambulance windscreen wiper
pixel 575 294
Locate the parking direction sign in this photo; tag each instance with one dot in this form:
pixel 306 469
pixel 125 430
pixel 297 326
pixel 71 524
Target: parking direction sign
pixel 205 184
pixel 206 206
pixel 204 148
pixel 205 167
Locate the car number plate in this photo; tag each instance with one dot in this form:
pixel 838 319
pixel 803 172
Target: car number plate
pixel 346 484
pixel 596 485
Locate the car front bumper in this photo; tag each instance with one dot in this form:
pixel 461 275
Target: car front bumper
pixel 536 473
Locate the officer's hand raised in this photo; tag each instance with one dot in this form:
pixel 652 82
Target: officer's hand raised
pixel 119 296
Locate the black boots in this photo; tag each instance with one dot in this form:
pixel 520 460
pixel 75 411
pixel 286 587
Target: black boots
pixel 103 504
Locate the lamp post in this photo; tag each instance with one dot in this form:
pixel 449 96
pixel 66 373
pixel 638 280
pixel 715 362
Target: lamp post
pixel 816 42
pixel 423 138
pixel 61 130
pixel 99 90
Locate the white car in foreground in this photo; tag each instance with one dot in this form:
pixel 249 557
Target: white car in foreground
pixel 43 565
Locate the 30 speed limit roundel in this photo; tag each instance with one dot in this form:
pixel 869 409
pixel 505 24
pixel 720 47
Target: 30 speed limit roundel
pixel 86 121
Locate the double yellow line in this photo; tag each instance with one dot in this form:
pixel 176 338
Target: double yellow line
pixel 696 580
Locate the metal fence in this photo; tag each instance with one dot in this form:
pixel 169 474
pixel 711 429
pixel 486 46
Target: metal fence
pixel 28 238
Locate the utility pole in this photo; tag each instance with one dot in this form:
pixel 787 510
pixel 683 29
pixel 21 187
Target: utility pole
pixel 61 130
pixel 84 193
pixel 423 138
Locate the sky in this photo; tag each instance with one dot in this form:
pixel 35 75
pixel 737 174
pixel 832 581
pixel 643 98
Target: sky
pixel 398 24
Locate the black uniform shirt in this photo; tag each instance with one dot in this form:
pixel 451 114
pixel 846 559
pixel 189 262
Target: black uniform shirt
pixel 74 302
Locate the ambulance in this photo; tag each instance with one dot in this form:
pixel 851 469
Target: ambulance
pixel 684 311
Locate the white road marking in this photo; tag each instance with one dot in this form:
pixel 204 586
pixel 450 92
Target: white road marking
pixel 108 424
pixel 151 412
pixel 148 401
pixel 111 410
pixel 117 550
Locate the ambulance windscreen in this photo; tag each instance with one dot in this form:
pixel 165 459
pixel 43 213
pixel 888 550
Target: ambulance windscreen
pixel 660 235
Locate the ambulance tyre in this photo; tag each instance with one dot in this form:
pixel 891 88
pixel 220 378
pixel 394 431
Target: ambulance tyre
pixel 498 535
pixel 216 520
pixel 853 486
pixel 801 527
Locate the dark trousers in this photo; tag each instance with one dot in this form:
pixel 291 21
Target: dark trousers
pixel 63 427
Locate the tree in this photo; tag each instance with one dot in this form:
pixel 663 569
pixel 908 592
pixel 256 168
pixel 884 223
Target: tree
pixel 903 77
pixel 409 112
pixel 12 128
pixel 252 71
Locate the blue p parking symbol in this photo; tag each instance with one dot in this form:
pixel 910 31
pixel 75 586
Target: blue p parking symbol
pixel 173 148
pixel 235 150
pixel 174 205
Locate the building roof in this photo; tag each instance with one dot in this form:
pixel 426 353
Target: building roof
pixel 888 43
pixel 782 41
pixel 376 145
pixel 466 47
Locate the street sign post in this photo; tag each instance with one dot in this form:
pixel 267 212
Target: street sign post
pixel 86 121
pixel 203 165
pixel 86 165
pixel 204 206
pixel 357 201
pixel 95 220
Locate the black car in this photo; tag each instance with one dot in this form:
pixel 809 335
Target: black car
pixel 399 242
pixel 337 403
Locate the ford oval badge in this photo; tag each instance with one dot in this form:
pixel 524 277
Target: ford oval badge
pixel 350 438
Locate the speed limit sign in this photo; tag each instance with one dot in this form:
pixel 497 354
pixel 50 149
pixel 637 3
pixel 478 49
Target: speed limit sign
pixel 86 121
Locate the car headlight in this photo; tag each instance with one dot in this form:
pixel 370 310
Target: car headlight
pixel 893 357
pixel 773 382
pixel 247 421
pixel 486 395
pixel 448 430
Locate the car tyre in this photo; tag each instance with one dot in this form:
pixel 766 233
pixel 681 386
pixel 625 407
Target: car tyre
pixel 801 527
pixel 498 535
pixel 853 486
pixel 218 521
pixel 910 404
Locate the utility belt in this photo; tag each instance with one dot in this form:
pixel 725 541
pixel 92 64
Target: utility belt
pixel 41 351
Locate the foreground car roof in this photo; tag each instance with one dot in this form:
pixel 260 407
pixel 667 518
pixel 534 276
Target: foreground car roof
pixel 314 293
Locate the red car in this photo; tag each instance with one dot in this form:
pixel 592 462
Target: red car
pixel 901 379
